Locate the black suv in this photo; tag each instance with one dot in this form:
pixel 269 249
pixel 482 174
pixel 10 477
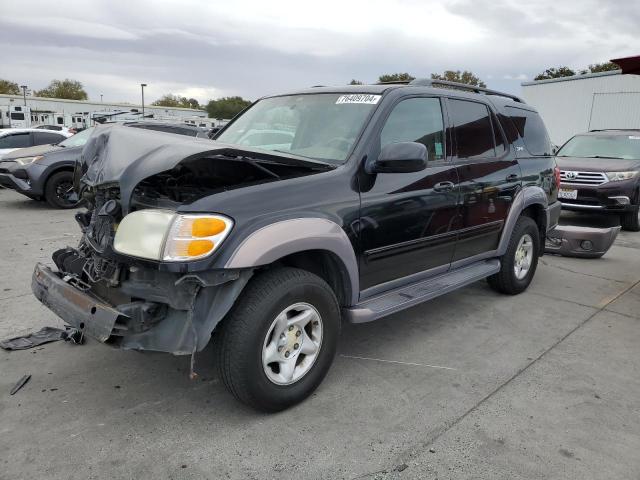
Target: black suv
pixel 323 205
pixel 600 172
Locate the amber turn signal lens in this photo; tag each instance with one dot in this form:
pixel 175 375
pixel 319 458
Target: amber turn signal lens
pixel 199 247
pixel 207 227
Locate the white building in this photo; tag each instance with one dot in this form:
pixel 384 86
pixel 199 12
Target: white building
pixel 78 113
pixel 571 105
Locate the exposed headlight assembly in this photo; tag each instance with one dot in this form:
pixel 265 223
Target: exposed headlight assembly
pixel 619 176
pixel 169 236
pixel 28 160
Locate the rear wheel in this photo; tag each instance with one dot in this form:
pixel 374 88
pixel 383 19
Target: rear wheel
pixel 279 340
pixel 630 221
pixel 59 191
pixel 519 263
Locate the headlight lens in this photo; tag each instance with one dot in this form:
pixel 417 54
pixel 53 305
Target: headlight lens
pixel 166 235
pixel 28 160
pixel 195 236
pixel 619 176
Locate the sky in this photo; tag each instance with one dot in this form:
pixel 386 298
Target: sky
pixel 210 49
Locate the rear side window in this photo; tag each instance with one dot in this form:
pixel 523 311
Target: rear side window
pixel 15 140
pixel 17 116
pixel 532 130
pixel 472 129
pixel 416 120
pixel 43 138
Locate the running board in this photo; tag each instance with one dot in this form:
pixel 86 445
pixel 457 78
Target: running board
pixel 416 293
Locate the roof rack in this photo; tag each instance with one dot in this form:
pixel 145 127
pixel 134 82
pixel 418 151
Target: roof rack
pixel 428 82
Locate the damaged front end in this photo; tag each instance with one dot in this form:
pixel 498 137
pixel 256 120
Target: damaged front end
pixel 128 303
pixel 133 281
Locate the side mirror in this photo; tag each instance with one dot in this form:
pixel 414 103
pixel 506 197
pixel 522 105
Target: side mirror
pixel 402 157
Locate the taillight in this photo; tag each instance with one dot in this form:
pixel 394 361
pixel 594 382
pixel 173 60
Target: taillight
pixel 556 173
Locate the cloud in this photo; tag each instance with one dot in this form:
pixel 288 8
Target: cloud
pixel 204 49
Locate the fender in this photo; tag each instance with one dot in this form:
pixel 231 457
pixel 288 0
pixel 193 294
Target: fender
pixel 275 241
pixel 529 195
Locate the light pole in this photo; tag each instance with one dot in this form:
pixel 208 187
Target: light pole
pixel 100 98
pixel 24 94
pixel 142 85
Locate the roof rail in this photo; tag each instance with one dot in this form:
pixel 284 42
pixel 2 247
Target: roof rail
pixel 428 82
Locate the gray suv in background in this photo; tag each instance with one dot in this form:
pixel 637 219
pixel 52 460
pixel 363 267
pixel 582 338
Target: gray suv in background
pixel 600 172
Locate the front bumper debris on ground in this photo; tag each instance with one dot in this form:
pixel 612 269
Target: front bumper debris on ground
pixel 585 242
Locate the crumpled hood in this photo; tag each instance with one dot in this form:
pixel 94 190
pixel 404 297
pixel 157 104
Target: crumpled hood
pixel 124 156
pixel 597 164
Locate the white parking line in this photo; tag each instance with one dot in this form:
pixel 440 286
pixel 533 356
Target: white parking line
pixel 396 361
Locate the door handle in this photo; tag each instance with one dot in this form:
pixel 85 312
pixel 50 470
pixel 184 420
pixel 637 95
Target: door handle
pixel 512 177
pixel 443 187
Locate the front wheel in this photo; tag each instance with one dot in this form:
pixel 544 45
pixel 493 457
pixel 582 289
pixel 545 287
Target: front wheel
pixel 59 192
pixel 279 340
pixel 630 221
pixel 519 263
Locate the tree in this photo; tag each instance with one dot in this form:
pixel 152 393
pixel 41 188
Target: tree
pixel 555 73
pixel 355 82
pixel 226 107
pixel 395 77
pixel 170 100
pixel 9 88
pixel 67 88
pixel 457 76
pixel 600 67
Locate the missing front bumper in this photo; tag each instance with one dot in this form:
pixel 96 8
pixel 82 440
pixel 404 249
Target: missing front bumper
pixel 584 242
pixel 77 308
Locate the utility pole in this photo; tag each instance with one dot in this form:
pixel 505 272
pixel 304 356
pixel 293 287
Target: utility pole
pixel 142 85
pixel 24 94
pixel 100 98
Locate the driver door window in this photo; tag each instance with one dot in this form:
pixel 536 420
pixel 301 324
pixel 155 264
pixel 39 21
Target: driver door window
pixel 417 120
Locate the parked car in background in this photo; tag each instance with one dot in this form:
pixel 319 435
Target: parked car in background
pixel 600 172
pixel 329 204
pixel 46 172
pixel 14 138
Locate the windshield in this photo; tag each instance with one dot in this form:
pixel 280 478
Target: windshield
pixel 319 126
pixel 595 146
pixel 77 140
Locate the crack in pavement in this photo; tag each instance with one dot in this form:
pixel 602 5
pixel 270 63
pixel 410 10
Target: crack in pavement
pixel 580 273
pixel 407 454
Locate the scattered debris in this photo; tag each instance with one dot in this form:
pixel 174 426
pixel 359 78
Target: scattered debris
pixel 73 335
pixel 432 450
pixel 44 335
pixel 21 383
pixel 23 342
pixel 401 468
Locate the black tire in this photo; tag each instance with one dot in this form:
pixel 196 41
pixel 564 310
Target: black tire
pixel 245 329
pixel 506 281
pixel 630 221
pixel 57 184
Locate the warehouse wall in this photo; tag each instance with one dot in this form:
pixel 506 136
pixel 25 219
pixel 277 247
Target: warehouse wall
pixel 577 104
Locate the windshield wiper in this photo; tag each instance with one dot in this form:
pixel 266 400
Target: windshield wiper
pixel 330 166
pixel 254 163
pixel 604 156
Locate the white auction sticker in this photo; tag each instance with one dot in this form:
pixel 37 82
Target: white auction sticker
pixel 359 98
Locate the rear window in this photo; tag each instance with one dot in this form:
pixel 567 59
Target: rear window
pixel 473 129
pixel 532 130
pixel 17 116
